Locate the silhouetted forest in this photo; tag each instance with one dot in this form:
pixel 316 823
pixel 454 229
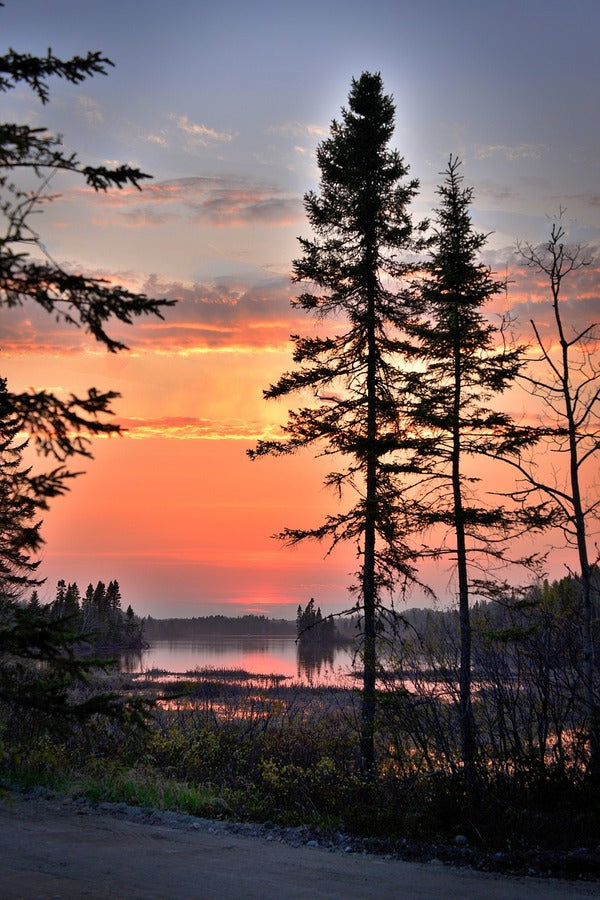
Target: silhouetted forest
pixel 97 616
pixel 310 626
pixel 199 627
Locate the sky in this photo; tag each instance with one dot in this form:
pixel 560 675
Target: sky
pixel 224 103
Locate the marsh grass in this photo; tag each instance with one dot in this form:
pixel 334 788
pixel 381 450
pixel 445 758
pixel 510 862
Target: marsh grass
pixel 229 748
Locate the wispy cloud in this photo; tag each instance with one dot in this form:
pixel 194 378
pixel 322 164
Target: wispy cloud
pixel 226 315
pixel 509 152
pixel 299 129
pixel 202 133
pixel 90 109
pixel 487 187
pixel 531 298
pixel 160 139
pixel 218 202
pixel 189 428
pixel 591 199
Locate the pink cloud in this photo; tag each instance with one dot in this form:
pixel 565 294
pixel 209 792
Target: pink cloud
pixel 531 297
pixel 218 202
pixel 225 313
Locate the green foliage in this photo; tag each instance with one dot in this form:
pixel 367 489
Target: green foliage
pixel 100 615
pixel 461 363
pixel 216 626
pixel 362 225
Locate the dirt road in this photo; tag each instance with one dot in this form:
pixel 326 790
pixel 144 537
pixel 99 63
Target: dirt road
pixel 56 849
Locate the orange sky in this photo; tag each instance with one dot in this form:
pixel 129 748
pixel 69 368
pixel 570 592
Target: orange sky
pixel 229 128
pixel 175 510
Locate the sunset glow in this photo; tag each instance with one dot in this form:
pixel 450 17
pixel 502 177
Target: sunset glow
pixel 174 509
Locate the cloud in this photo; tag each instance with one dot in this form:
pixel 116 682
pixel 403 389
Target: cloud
pixel 517 151
pixel 299 129
pixel 159 139
pixel 201 133
pixel 31 331
pixel 531 298
pixel 589 199
pixel 91 110
pixel 487 187
pixel 218 202
pixel 224 315
pixel 188 428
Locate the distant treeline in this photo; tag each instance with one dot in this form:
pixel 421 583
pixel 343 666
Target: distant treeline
pixel 97 615
pixel 217 626
pixel 311 623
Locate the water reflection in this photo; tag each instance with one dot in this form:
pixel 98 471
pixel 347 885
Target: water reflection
pixel 312 665
pixel 314 660
pixel 131 661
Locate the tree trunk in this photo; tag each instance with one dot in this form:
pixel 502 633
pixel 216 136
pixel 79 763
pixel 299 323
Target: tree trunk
pixel 467 724
pixel 585 577
pixel 368 585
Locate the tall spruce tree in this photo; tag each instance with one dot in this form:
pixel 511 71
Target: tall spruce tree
pixel 464 363
pixel 361 224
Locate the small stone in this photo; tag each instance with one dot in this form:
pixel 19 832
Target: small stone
pixel 460 840
pixel 312 843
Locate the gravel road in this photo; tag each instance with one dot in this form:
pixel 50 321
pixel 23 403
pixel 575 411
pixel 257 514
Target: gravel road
pixel 61 848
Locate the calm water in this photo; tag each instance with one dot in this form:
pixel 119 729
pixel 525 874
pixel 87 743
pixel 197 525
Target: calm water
pixel 259 656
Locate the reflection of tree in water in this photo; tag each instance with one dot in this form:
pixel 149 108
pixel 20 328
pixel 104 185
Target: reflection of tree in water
pixel 131 661
pixel 318 639
pixel 314 658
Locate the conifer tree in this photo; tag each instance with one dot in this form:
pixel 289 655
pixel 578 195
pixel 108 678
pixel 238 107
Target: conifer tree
pixel 464 363
pixel 99 601
pixel 72 598
pixel 59 426
pixel 21 499
pixel 361 224
pixel 113 596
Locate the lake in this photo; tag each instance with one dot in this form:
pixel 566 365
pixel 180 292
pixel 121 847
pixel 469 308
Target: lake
pixel 257 655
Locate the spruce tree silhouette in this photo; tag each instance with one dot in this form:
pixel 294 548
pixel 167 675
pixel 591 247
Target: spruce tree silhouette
pixel 59 427
pixel 361 224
